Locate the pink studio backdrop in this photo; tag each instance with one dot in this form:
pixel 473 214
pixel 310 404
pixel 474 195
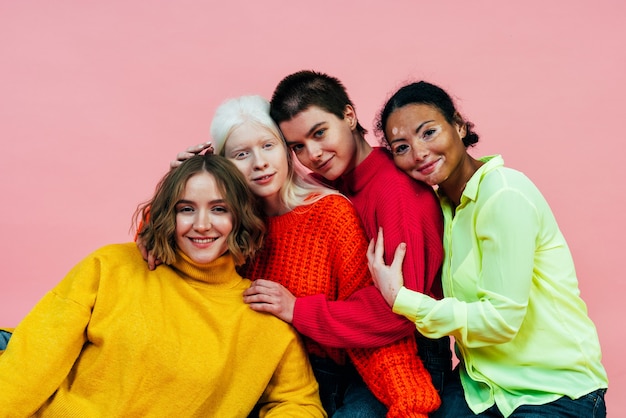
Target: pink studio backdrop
pixel 97 97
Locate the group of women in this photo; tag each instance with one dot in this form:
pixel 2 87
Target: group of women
pixel 249 242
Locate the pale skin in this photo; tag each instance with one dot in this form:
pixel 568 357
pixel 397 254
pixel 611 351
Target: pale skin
pixel 387 279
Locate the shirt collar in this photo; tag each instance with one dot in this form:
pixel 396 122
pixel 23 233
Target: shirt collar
pixel 470 192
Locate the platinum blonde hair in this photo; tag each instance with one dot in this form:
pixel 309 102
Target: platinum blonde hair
pixel 299 188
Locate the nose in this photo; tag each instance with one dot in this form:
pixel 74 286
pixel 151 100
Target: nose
pixel 314 151
pixel 259 162
pixel 420 152
pixel 203 221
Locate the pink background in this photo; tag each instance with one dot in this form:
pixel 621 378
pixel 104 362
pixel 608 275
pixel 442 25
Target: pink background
pixel 97 97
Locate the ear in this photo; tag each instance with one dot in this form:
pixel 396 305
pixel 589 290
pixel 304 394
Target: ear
pixel 460 125
pixel 349 115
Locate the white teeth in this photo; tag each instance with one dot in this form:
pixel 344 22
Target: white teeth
pixel 203 240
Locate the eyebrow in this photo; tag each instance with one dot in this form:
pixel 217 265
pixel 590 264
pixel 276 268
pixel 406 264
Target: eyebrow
pixel 421 125
pixel 212 202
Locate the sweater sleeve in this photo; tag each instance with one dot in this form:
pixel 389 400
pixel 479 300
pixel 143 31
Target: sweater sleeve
pixel 396 376
pixel 363 320
pixel 293 390
pixel 47 342
pixel 361 317
pixel 410 213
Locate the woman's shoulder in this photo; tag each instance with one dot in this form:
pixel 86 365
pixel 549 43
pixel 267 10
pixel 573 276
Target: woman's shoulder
pixel 391 179
pixel 333 203
pixel 117 251
pixel 508 184
pixel 113 256
pixel 330 212
pixel 503 177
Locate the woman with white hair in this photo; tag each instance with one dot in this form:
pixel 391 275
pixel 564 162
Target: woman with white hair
pixel 313 256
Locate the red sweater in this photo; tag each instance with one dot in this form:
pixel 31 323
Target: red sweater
pixel 320 250
pixel 408 211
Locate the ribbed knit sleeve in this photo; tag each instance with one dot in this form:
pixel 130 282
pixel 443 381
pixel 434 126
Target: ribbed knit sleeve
pixel 396 375
pixel 411 213
pixel 363 320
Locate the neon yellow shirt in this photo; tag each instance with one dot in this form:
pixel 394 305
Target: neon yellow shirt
pixel 114 339
pixel 511 297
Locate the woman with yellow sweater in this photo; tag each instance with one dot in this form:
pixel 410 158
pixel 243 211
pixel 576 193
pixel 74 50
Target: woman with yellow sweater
pixel 116 339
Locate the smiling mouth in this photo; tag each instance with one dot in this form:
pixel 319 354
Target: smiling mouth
pixel 427 168
pixel 323 165
pixel 203 240
pixel 263 178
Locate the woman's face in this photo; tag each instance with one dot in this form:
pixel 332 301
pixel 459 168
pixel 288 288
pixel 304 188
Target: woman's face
pixel 261 157
pixel 424 144
pixel 322 142
pixel 203 220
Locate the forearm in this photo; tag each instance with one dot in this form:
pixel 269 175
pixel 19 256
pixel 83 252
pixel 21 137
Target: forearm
pixel 489 321
pixel 362 320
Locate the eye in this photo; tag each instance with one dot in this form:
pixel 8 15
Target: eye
pixel 240 155
pixel 429 132
pixel 319 133
pixel 296 148
pixel 220 209
pixel 400 149
pixel 268 145
pixel 184 209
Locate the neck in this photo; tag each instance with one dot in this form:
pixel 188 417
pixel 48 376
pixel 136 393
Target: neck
pixel 274 206
pixel 454 185
pixel 363 150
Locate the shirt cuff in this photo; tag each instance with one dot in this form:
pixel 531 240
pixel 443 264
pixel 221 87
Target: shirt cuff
pixel 407 303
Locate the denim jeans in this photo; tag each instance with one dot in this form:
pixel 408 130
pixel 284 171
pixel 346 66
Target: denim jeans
pixel 436 356
pixel 4 339
pixel 453 405
pixel 343 392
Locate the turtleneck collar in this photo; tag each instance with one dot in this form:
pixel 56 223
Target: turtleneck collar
pixel 219 273
pixel 355 180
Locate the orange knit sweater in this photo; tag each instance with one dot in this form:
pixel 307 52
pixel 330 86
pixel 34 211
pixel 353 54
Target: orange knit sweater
pixel 321 249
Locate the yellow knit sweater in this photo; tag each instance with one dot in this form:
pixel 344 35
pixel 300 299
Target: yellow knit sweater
pixel 114 339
